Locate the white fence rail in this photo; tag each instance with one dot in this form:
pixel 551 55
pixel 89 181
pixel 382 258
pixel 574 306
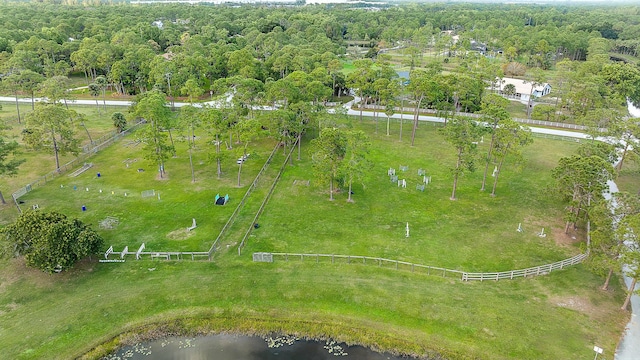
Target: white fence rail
pixel 429 270
pixel 520 120
pixel 534 271
pixel 164 255
pixel 242 202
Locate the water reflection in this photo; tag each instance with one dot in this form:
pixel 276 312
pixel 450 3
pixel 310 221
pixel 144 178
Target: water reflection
pixel 237 347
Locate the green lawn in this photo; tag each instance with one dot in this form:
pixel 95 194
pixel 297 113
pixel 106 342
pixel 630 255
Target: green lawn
pixel 37 164
pixel 517 109
pixel 628 178
pixel 559 316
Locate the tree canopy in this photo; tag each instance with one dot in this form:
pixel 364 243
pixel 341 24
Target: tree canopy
pixel 49 241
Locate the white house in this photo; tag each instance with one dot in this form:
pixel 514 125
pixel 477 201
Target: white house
pixel 523 88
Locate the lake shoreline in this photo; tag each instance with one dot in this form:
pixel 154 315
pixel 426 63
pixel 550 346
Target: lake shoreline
pixel 263 328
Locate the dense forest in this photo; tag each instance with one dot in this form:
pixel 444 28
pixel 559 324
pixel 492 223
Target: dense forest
pixel 164 47
pixel 285 54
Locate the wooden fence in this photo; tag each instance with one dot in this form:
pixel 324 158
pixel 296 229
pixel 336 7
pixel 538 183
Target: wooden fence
pixel 533 271
pixel 235 213
pixel 431 112
pixel 154 255
pixel 425 269
pixel 266 199
pixel 87 152
pixel 558 137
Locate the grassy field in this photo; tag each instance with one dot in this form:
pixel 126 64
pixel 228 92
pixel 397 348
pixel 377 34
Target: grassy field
pixel 560 316
pixel 628 178
pixel 37 164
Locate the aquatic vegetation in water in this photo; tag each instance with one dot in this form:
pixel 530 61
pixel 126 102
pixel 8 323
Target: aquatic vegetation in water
pixel 279 341
pixel 136 349
pixel 186 343
pixel 335 349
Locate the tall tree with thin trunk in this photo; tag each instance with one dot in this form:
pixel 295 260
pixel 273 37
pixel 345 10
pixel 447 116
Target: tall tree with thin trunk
pixel 80 120
pixel 511 137
pixel 54 88
pixel 355 164
pixel 494 111
pixel 361 81
pixel 216 124
pixel 625 131
pixel 328 153
pixel 248 131
pixel 463 133
pixel 631 254
pixel 94 90
pixel 12 84
pixel 152 107
pixel 333 67
pixel 581 180
pixel 192 90
pixel 418 86
pixel 102 83
pixel 189 119
pixel 8 161
pixel 48 127
pixel 607 237
pixel 422 85
pixel 30 82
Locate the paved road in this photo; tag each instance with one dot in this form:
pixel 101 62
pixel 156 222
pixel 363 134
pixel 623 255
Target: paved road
pixel 107 102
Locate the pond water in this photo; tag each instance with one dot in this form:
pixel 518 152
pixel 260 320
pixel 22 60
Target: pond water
pixel 238 347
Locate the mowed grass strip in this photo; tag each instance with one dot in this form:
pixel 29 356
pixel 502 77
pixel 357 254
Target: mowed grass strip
pixel 550 317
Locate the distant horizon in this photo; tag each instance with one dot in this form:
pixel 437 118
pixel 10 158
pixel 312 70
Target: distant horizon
pixel 311 2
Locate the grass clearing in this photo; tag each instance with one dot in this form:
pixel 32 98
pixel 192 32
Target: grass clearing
pixel 38 163
pixel 629 177
pixel 556 316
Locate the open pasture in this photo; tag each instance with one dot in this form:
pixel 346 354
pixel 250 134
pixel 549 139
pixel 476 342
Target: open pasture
pixel 151 210
pixel 477 232
pixel 549 317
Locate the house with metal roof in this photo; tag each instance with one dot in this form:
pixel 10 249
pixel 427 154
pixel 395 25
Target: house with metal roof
pixel 523 88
